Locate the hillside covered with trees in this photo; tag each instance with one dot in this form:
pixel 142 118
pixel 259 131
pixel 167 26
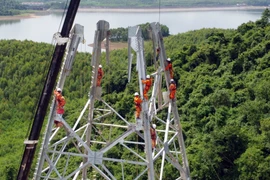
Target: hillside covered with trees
pixel 14 7
pixel 152 3
pixel 223 97
pixel 121 34
pixel 10 7
pixel 171 3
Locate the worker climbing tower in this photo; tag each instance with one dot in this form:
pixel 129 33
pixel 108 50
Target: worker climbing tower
pixel 170 149
pixel 101 140
pixel 170 137
pixel 47 155
pixel 43 103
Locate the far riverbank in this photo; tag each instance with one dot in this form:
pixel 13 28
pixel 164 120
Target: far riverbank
pixel 18 17
pixel 180 9
pixel 138 10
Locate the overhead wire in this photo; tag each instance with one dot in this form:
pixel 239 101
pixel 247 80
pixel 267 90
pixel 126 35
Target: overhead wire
pixel 64 12
pixel 158 48
pixel 50 52
pixel 159 4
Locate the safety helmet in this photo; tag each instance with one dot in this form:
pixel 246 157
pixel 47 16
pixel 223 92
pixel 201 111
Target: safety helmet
pixel 154 126
pixel 100 66
pixel 148 76
pixel 59 90
pixel 136 94
pixel 172 80
pixel 169 59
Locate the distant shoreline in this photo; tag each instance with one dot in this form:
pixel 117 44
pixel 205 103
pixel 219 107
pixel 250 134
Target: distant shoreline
pixel 139 10
pixel 18 17
pixel 180 9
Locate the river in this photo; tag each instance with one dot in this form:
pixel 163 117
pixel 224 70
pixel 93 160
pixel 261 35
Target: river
pixel 42 28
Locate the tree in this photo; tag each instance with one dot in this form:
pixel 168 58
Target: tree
pixel 264 21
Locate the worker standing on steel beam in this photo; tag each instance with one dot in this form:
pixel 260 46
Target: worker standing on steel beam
pixel 60 101
pixel 138 101
pixel 172 89
pixel 148 83
pixel 153 135
pixel 169 67
pixel 100 75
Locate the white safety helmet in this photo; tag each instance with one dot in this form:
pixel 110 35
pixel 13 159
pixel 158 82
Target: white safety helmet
pixel 59 90
pixel 100 66
pixel 148 76
pixel 136 94
pixel 172 80
pixel 154 126
pixel 169 59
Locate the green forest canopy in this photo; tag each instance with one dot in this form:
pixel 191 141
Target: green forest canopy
pixel 121 34
pixel 10 7
pixel 223 96
pixel 171 3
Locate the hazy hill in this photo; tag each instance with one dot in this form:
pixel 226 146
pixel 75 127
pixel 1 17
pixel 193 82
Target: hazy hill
pixel 10 7
pixel 13 7
pixel 223 96
pixel 160 3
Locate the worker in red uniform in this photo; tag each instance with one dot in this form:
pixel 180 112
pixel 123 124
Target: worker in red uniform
pixel 100 75
pixel 60 102
pixel 169 67
pixel 148 83
pixel 138 101
pixel 153 135
pixel 172 89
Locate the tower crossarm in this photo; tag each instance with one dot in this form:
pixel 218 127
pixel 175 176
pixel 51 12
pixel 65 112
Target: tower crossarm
pixel 75 38
pixel 101 33
pixel 137 44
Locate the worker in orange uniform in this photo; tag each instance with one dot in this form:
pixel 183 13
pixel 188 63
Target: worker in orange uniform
pixel 169 67
pixel 148 84
pixel 138 101
pixel 100 75
pixel 153 136
pixel 60 102
pixel 172 89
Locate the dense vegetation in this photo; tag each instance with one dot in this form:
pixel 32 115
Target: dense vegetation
pixel 223 96
pixel 170 3
pixel 158 3
pixel 14 7
pixel 10 7
pixel 121 34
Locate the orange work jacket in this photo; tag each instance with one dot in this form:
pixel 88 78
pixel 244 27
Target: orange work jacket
pixel 100 73
pixel 148 83
pixel 172 90
pixel 153 133
pixel 137 101
pixel 169 67
pixel 60 100
pixel 172 87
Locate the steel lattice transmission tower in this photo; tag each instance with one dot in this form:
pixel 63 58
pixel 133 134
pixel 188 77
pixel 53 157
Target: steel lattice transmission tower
pixel 101 139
